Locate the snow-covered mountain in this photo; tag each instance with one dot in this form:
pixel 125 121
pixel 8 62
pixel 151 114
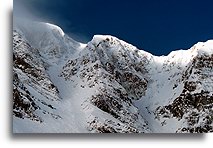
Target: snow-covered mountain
pixel 107 85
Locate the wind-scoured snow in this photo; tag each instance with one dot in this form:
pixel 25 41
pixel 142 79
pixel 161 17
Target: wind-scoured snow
pixel 106 85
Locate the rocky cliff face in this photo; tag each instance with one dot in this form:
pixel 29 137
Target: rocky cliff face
pixel 108 68
pixel 33 91
pixel 108 86
pixel 194 104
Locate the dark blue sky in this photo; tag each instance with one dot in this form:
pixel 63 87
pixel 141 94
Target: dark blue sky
pixel 157 26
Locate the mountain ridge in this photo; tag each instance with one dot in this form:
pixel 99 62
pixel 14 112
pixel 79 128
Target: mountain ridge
pixel 108 85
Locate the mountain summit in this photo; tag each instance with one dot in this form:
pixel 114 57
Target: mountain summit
pixel 107 85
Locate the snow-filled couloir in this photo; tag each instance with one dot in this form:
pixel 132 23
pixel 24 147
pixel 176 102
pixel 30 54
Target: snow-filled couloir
pixel 107 85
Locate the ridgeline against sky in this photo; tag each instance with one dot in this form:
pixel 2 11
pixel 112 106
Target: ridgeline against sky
pixel 157 26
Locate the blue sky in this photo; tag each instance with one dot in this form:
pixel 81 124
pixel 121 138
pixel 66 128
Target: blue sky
pixel 157 26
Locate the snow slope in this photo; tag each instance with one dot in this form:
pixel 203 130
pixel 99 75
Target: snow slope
pixel 107 85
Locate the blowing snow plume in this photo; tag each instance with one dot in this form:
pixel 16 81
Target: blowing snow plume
pixel 107 85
